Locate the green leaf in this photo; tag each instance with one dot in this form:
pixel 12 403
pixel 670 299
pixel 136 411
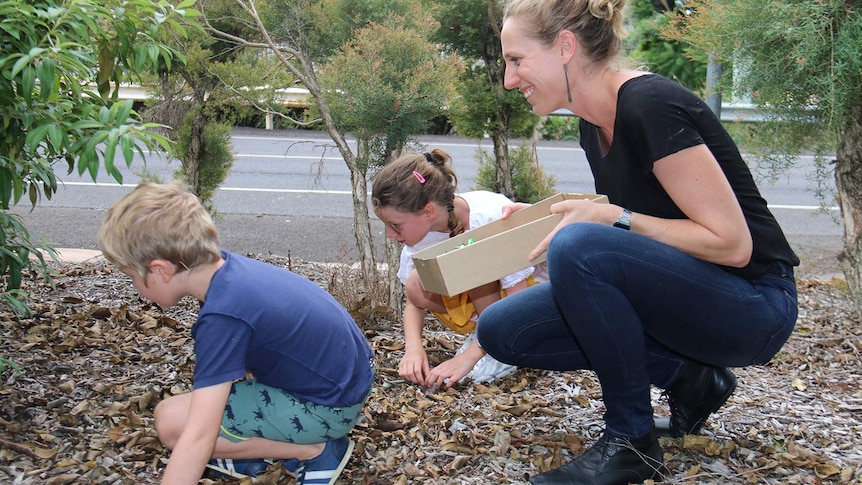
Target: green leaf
pixel 122 111
pixel 153 53
pixel 20 64
pixel 28 84
pixel 110 150
pixel 47 77
pixel 36 138
pixel 56 135
pixel 17 189
pixel 5 188
pixel 127 144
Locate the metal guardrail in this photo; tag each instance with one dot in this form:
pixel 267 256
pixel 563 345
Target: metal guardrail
pixel 746 112
pixel 298 98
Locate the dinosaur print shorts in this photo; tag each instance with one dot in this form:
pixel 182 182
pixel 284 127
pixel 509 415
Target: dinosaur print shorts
pixel 255 409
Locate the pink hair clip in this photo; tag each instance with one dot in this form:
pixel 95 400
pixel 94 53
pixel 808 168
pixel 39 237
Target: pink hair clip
pixel 419 177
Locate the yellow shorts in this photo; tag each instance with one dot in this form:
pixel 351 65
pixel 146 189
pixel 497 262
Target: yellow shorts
pixel 460 313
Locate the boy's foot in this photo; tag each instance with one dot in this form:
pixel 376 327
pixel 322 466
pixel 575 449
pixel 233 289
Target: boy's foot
pixel 291 466
pixel 226 467
pixel 326 468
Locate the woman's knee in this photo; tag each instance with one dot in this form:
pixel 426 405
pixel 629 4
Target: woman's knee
pixel 577 248
pixel 490 332
pixel 579 239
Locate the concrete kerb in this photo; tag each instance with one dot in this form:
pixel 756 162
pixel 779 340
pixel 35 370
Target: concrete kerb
pixel 73 255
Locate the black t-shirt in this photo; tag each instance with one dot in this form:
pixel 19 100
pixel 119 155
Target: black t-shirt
pixel 657 117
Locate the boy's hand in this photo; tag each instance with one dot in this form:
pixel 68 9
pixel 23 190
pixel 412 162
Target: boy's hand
pixel 197 416
pixel 414 366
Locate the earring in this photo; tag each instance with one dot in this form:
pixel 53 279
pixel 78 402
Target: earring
pixel 568 88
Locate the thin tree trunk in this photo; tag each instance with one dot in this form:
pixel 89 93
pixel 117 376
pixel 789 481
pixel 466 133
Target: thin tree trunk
pixel 359 187
pixel 504 182
pixel 193 162
pixel 396 289
pixel 362 225
pixel 393 262
pixel 848 178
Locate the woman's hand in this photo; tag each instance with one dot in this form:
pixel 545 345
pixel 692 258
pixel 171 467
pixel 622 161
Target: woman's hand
pixel 577 210
pixel 414 366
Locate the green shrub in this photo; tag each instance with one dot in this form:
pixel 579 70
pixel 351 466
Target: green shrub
pixel 214 161
pixel 564 128
pixel 530 181
pixel 18 254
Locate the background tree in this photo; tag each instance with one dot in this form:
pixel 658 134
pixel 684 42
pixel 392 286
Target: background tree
pixel 471 28
pixel 300 33
pixel 660 55
pixel 801 63
pixel 194 98
pixel 384 87
pixel 289 42
pixel 60 67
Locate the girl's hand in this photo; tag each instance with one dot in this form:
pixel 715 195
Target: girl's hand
pixel 414 366
pixel 451 371
pixel 576 210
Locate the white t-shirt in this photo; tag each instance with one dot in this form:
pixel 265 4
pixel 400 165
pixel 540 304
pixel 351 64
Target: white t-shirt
pixel 484 207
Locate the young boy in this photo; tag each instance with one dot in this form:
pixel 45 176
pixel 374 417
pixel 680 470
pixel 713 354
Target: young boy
pixel 282 371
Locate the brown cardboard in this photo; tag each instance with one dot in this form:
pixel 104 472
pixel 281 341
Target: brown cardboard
pixel 499 248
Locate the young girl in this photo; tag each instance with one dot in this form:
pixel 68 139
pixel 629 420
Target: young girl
pixel 415 197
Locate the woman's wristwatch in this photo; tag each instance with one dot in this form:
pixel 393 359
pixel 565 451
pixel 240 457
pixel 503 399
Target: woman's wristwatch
pixel 625 220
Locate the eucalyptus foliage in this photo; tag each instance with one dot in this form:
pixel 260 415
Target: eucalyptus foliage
pixel 386 85
pixel 799 60
pixel 660 55
pixel 60 66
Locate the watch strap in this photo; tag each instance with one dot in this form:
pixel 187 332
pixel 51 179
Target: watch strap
pixel 625 220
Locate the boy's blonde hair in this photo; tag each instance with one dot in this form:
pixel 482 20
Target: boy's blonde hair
pixel 159 221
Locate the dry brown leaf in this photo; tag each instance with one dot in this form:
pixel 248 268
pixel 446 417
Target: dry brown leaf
pixel 63 479
pixel 826 470
pixel 518 410
pixel 45 453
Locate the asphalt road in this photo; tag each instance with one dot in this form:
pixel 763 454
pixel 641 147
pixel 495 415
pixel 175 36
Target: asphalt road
pixel 260 217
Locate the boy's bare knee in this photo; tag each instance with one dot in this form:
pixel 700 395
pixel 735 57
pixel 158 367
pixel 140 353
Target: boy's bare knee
pixel 165 422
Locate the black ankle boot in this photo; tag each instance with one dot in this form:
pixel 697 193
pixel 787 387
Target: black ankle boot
pixel 613 460
pixel 699 391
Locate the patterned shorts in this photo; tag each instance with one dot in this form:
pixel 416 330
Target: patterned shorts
pixel 255 409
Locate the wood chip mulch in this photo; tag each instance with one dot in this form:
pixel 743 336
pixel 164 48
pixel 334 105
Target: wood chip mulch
pixel 94 359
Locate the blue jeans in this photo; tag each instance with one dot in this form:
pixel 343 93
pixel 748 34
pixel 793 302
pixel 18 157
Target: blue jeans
pixel 634 310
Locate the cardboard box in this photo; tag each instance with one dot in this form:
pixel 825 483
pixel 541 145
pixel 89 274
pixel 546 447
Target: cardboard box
pixel 499 248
